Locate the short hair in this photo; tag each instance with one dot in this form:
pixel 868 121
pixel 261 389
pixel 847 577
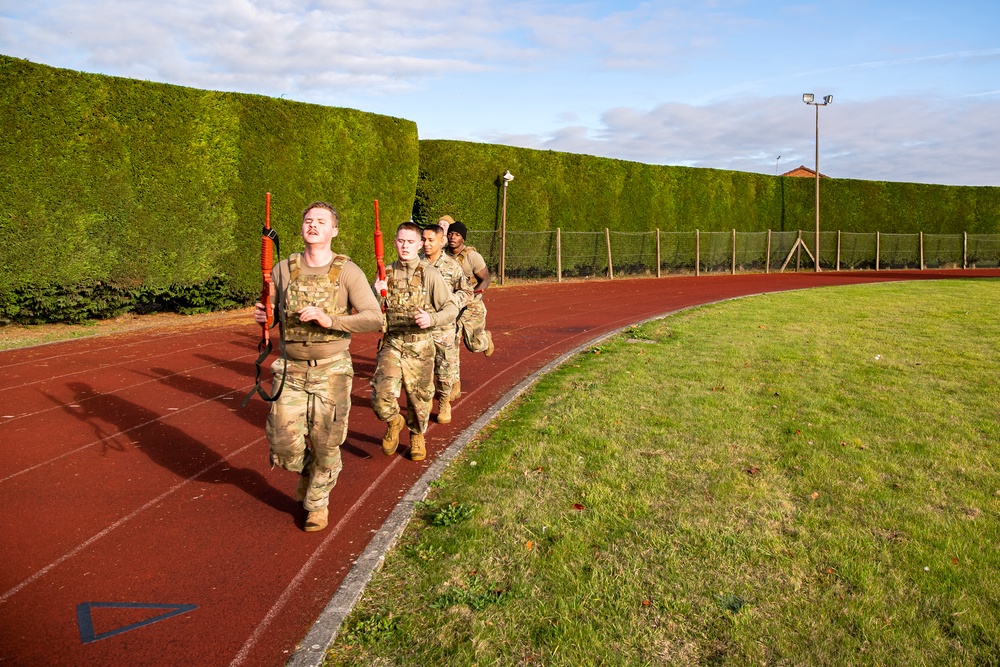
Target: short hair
pixel 437 229
pixel 325 206
pixel 410 225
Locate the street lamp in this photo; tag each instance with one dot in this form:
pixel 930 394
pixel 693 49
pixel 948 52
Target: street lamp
pixel 507 178
pixel 809 98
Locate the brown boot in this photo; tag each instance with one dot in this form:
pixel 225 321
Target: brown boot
pixel 390 441
pixel 444 411
pixel 489 348
pixel 303 487
pixel 456 391
pixel 317 520
pixel 418 451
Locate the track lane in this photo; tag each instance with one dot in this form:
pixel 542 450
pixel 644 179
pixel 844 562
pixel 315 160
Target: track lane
pixel 226 537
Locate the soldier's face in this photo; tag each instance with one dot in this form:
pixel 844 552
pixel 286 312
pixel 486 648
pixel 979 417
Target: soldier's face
pixel 455 240
pixel 407 244
pixel 432 243
pixel 318 227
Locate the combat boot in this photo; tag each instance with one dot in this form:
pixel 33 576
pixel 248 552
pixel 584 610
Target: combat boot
pixel 317 520
pixel 456 391
pixel 390 441
pixel 444 411
pixel 489 348
pixel 418 451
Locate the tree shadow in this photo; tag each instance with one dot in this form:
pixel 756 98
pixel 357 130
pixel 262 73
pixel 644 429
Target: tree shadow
pixel 168 446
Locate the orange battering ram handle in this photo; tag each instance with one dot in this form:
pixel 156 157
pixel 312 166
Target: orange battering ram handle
pixel 379 248
pixel 266 264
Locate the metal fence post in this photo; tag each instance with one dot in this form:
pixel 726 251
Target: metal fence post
pixel 878 248
pixel 607 240
pixel 965 250
pixel 922 267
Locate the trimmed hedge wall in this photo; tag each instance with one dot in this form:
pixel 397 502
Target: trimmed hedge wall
pixel 118 194
pixel 586 193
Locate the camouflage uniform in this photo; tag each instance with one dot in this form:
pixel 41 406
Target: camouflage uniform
pixel 472 318
pixel 406 358
pixel 446 341
pixel 316 366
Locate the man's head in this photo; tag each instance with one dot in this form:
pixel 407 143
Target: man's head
pixel 456 236
pixel 320 223
pixel 444 222
pixel 434 240
pixel 407 241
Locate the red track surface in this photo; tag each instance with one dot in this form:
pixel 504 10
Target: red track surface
pixel 128 475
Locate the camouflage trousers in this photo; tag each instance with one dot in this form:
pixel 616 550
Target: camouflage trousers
pixel 404 364
pixel 314 404
pixel 446 360
pixel 472 325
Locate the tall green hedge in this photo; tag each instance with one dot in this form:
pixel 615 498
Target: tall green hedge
pixel 120 194
pixel 586 193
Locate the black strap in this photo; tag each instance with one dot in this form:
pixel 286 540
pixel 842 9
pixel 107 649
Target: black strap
pixel 264 347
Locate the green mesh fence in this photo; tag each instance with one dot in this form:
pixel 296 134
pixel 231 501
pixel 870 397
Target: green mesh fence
pixel 535 255
pixel 984 251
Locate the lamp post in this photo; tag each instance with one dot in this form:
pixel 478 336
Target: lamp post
pixel 809 99
pixel 776 165
pixel 507 178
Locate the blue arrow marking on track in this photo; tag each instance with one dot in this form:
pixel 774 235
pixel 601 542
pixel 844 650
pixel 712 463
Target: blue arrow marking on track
pixel 86 623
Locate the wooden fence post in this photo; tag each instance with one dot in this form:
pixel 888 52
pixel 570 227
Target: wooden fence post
pixel 838 250
pixel 607 240
pixel 697 253
pixel 734 253
pixel 767 257
pixel 559 254
pixel 657 252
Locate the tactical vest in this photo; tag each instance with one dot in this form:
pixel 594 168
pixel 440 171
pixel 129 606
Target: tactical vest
pixel 462 259
pixel 403 298
pixel 320 291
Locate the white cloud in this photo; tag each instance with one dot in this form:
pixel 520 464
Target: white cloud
pixel 895 139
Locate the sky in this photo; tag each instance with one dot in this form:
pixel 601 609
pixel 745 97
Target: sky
pixel 718 83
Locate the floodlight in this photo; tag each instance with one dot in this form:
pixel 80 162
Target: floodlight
pixel 808 98
pixel 827 99
pixel 507 177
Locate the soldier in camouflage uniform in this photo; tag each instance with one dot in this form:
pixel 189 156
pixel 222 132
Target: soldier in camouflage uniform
pixel 472 318
pixel 314 293
pixel 417 301
pixel 446 337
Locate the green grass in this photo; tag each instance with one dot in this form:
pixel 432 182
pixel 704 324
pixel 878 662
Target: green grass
pixel 806 478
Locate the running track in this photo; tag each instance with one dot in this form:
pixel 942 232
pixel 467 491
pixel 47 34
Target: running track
pixel 129 478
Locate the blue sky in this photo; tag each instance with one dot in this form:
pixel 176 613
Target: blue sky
pixel 718 84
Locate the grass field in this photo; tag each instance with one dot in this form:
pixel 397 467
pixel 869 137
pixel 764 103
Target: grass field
pixel 805 478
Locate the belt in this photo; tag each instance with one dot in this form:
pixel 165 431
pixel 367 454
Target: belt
pixel 410 338
pixel 313 363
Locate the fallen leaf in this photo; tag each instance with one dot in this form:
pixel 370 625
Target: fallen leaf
pixel 829 570
pixel 646 603
pixel 528 545
pixel 577 506
pixel 815 495
pixel 753 471
pixel 954 561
